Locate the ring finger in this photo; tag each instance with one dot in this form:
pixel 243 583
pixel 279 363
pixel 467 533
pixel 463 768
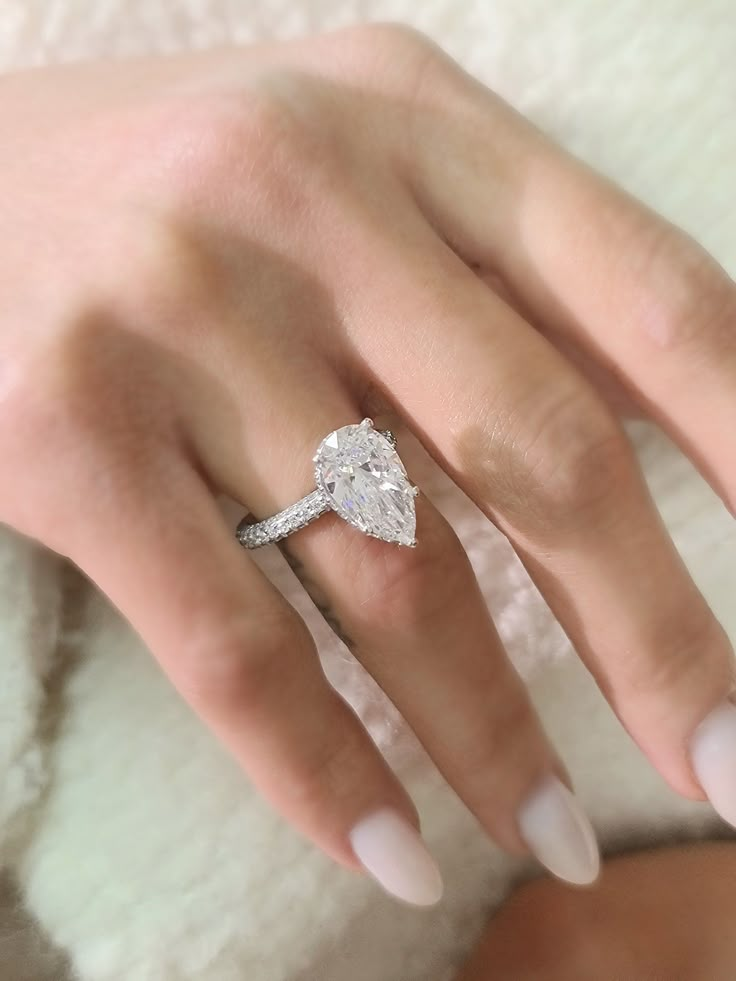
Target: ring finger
pixel 417 620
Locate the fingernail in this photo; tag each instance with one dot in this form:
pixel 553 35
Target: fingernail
pixel 558 831
pixel 713 755
pixel 392 851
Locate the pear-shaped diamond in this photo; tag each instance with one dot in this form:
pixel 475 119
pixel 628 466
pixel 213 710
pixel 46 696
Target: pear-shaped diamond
pixel 359 470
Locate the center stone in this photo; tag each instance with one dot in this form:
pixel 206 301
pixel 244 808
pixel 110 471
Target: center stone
pixel 361 473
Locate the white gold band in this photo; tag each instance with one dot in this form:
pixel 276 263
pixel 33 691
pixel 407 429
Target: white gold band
pixel 278 526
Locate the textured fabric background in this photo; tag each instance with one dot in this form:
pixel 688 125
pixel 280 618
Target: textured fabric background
pixel 136 842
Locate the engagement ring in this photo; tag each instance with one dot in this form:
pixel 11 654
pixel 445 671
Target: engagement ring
pixel 360 476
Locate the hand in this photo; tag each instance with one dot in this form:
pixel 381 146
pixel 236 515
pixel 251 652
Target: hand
pixel 211 261
pixel 665 913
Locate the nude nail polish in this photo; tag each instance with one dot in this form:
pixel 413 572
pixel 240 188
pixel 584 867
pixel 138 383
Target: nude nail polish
pixel 557 830
pixel 713 755
pixel 392 851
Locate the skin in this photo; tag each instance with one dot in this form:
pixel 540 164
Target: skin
pixel 211 261
pixel 664 915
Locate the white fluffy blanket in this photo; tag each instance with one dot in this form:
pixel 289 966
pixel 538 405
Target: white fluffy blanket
pixel 136 842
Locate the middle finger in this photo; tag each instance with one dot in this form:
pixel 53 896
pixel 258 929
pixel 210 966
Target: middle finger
pixel 532 444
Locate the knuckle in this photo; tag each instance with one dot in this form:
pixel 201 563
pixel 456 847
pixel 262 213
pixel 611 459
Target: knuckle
pixel 396 58
pixel 687 651
pixel 75 412
pixel 61 391
pixel 393 37
pixel 686 301
pixel 555 465
pixel 236 668
pixel 269 139
pixel 491 762
pixel 160 272
pixel 333 772
pixel 582 464
pixel 85 394
pixel 514 713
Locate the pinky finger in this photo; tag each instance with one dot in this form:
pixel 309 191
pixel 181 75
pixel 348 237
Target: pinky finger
pixel 246 663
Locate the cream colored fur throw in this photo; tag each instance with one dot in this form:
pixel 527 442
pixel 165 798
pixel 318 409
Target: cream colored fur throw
pixel 135 841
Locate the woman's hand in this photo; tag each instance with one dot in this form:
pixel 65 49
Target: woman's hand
pixel 209 262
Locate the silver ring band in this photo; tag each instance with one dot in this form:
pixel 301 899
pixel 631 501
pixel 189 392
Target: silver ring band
pixel 360 476
pixel 286 522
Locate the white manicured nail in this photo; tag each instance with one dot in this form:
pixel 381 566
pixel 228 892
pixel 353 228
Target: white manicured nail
pixel 558 831
pixel 713 755
pixel 392 851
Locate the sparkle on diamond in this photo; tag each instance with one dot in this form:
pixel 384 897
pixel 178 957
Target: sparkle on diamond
pixel 365 480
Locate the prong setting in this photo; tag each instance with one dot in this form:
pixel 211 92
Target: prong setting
pixel 359 475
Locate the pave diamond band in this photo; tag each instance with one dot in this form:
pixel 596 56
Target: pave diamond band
pixel 291 519
pixel 360 476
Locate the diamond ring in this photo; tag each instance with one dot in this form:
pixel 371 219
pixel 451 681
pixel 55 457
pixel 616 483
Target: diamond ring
pixel 360 476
